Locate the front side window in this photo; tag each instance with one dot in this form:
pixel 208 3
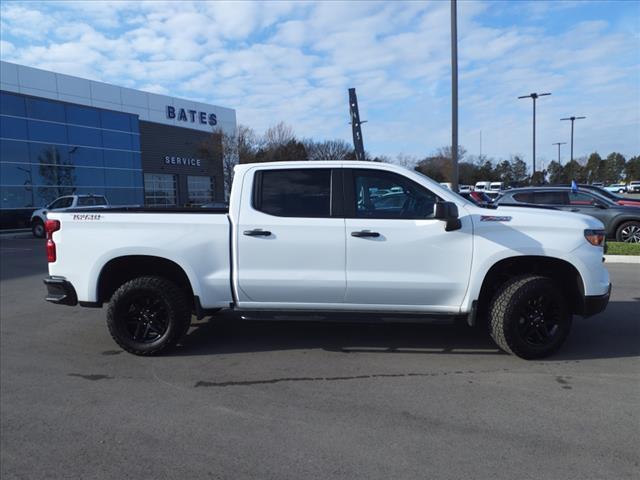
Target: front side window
pixel 294 192
pixel 64 202
pixel 380 194
pixel 582 199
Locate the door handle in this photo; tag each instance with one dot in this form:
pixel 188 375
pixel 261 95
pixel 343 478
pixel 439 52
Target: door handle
pixel 365 234
pixel 257 233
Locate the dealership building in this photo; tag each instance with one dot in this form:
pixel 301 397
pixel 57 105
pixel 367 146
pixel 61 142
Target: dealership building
pixel 63 135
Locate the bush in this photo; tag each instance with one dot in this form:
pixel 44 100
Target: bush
pixel 621 248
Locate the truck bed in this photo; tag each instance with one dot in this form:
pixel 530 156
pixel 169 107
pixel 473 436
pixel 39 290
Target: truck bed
pixel 197 240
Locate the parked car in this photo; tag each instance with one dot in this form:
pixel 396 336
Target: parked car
pixel 616 187
pixel 465 188
pixel 307 238
pixel 598 184
pixel 634 186
pixel 621 222
pixel 615 197
pixel 482 186
pixel 496 186
pixel 39 216
pixel 479 198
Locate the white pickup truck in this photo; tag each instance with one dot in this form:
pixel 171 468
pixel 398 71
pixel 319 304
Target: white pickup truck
pixel 332 239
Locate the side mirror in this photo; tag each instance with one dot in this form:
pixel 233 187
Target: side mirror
pixel 448 211
pixel 601 205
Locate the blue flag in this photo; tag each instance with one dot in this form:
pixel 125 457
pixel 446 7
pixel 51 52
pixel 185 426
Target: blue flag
pixel 574 186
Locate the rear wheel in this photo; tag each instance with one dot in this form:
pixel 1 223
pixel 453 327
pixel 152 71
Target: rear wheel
pixel 529 317
pixel 148 315
pixel 37 228
pixel 628 232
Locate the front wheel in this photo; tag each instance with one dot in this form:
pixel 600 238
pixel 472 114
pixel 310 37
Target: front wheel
pixel 529 317
pixel 628 232
pixel 148 315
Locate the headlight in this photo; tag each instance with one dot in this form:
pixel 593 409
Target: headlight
pixel 595 237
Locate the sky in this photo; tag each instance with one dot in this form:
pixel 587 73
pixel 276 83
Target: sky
pixel 294 61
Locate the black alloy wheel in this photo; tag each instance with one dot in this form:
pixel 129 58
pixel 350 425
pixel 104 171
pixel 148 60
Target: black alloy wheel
pixel 539 321
pixel 146 318
pixel 148 315
pixel 529 316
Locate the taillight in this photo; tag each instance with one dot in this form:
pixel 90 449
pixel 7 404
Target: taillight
pixel 595 237
pixel 51 226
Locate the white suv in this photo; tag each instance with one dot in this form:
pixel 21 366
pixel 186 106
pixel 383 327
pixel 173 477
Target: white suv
pixel 60 204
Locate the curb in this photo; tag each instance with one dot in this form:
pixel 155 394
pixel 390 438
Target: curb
pixel 622 259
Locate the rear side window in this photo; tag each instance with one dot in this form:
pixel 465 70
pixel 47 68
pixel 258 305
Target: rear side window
pixel 88 201
pixel 523 197
pixel 551 198
pixel 294 192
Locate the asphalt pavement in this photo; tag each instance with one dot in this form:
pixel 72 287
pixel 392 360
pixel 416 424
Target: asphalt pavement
pixel 308 400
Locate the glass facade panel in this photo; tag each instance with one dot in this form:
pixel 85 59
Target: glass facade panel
pixel 42 153
pixel 16 197
pixel 11 104
pixel 116 140
pixel 13 151
pixel 118 159
pixel 45 110
pixel 47 132
pixel 124 196
pixel 13 128
pixel 159 190
pixel 83 115
pixel 115 120
pixel 200 190
pixel 89 177
pixel 16 174
pixel 84 136
pixel 118 178
pixel 86 157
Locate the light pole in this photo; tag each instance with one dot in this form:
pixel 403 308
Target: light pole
pixel 454 96
pixel 559 143
pixel 534 97
pixel 573 119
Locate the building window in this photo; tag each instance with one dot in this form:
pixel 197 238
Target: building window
pixel 159 190
pixel 200 190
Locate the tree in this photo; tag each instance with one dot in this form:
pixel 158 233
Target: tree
pixel 291 151
pixel 614 166
pixel 632 169
pixel 277 136
pixel 504 172
pixel 555 173
pixel 519 170
pixel 594 169
pixel 336 149
pixel 247 143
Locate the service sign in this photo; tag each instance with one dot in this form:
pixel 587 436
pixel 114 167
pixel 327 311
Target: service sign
pixel 182 161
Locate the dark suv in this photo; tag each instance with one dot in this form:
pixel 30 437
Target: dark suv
pixel 621 222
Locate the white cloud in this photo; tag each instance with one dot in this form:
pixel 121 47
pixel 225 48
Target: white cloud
pixel 286 61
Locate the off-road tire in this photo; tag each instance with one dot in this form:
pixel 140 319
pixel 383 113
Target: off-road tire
pixel 620 236
pixel 37 228
pixel 507 319
pixel 171 300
